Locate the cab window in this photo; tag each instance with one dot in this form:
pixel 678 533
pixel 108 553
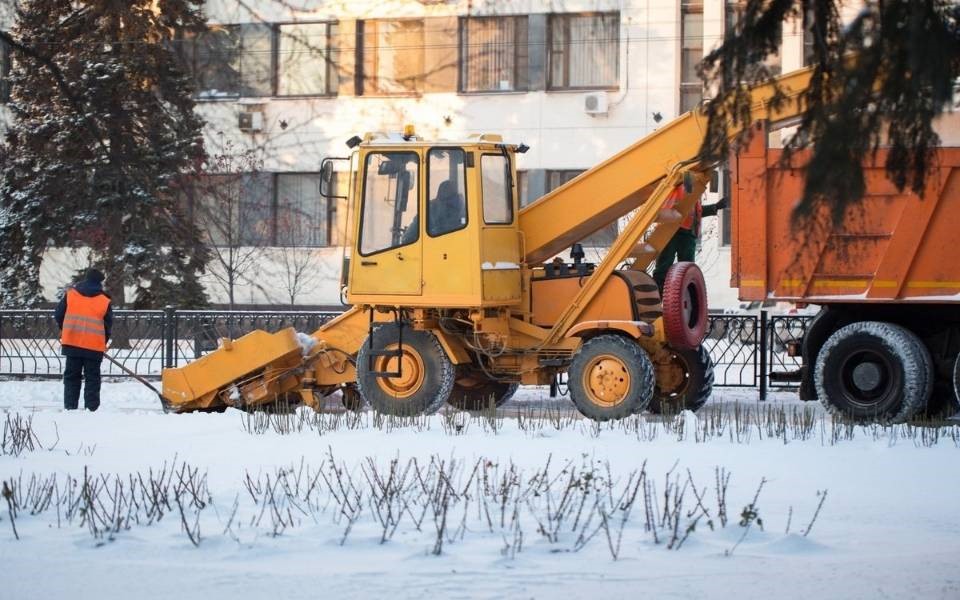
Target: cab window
pixel 389 217
pixel 497 200
pixel 446 181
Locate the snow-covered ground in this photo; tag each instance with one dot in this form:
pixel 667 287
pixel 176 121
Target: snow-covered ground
pixel 887 528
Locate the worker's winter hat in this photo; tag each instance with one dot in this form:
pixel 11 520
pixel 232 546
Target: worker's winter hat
pixel 95 276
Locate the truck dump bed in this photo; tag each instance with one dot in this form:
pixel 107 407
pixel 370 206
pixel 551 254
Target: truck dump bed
pixel 891 247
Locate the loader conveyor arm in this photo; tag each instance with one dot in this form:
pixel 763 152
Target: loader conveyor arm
pixel 610 190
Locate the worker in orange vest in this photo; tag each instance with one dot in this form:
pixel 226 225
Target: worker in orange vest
pixel 683 245
pixel 85 317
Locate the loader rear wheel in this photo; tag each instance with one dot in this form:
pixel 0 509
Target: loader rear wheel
pixel 351 399
pixel 871 371
pixel 426 374
pixel 475 393
pixel 688 385
pixel 611 377
pixel 685 306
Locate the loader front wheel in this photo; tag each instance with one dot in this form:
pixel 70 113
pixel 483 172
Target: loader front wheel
pixel 611 377
pixel 425 374
pixel 684 382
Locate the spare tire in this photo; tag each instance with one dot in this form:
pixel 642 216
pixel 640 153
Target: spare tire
pixel 685 306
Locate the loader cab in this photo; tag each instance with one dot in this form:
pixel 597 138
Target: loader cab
pixel 435 223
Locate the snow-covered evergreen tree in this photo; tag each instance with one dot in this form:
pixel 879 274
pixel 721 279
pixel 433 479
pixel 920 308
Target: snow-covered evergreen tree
pixel 103 130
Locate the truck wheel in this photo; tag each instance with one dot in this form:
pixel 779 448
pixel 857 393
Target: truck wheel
pixel 426 377
pixel 475 394
pixel 944 402
pixel 611 377
pixel 685 306
pixel 874 371
pixel 956 377
pixel 687 382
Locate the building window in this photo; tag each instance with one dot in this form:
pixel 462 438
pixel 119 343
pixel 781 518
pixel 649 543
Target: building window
pixel 235 209
pixel 305 64
pixel 584 51
pixel 733 15
pixel 691 53
pixel 391 57
pixel 4 72
pixel 601 239
pixel 808 39
pixel 302 213
pixel 231 60
pixel 493 54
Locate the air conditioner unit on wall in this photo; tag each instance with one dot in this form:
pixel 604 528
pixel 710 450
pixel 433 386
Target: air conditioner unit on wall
pixel 595 103
pixel 250 121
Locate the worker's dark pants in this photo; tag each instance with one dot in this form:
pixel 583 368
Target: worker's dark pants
pixel 89 368
pixel 681 247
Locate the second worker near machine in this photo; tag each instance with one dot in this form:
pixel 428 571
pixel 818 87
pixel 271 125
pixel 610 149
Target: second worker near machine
pixel 682 247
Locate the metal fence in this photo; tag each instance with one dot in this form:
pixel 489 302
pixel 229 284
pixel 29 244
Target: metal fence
pixel 144 341
pixel 747 350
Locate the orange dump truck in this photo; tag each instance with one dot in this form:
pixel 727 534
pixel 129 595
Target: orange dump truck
pixel 885 343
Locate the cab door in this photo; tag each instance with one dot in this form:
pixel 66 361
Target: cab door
pixel 499 238
pixel 388 258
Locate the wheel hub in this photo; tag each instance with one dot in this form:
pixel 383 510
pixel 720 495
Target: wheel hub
pixel 411 369
pixel 673 375
pixel 867 376
pixel 607 380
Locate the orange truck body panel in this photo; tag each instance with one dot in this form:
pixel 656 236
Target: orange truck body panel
pixel 891 247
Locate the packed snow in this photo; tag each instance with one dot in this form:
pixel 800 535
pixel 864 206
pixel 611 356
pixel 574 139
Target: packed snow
pixel 886 525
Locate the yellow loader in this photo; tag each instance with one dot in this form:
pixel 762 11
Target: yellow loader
pixel 458 296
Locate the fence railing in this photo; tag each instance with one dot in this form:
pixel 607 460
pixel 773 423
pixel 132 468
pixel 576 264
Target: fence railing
pixel 746 349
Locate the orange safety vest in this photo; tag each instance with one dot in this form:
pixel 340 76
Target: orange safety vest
pixel 691 222
pixel 83 323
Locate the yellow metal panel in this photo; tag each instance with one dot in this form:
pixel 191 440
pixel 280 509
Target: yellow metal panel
pixel 501 286
pixel 216 370
pixel 451 345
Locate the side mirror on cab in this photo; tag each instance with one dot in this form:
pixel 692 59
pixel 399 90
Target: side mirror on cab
pixel 327 183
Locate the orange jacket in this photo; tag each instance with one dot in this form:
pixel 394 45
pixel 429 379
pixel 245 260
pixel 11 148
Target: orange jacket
pixel 83 325
pixel 692 221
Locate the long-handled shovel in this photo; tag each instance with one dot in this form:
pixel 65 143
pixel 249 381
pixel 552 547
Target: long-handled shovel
pixel 164 403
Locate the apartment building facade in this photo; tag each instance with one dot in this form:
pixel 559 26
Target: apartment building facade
pixel 576 80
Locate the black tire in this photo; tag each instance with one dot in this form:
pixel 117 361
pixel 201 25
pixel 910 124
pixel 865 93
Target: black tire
pixel 351 399
pixel 944 402
pixel 696 389
pixel 871 371
pixel 606 362
pixel 478 397
pixel 428 371
pixel 823 325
